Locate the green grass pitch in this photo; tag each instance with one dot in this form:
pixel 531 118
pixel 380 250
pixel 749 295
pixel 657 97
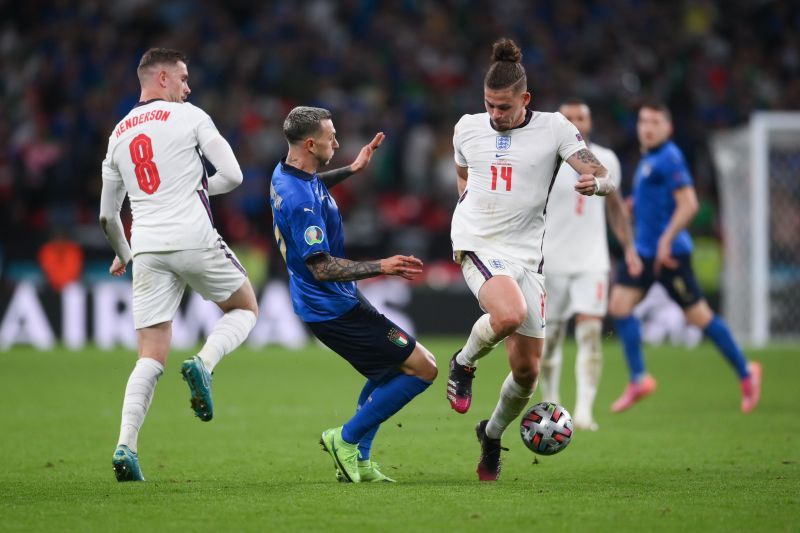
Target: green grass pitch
pixel 685 459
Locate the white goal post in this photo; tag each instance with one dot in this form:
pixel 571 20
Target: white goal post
pixel 759 186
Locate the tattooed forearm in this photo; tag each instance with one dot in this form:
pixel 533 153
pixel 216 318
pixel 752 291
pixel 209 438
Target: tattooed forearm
pixel 585 156
pixel 585 162
pixel 336 176
pixel 329 268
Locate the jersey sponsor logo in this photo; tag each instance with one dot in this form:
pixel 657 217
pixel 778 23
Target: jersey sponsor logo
pixel 499 156
pixel 313 235
pixel 308 209
pixel 398 337
pixel 497 264
pixel 579 137
pixel 646 170
pixel 503 142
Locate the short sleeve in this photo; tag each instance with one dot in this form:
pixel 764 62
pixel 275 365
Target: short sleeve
pixel 458 155
pixel 676 172
pixel 614 169
pixel 308 230
pixel 567 137
pixel 110 172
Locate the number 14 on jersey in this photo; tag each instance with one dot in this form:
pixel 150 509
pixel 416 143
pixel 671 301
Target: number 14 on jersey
pixel 504 174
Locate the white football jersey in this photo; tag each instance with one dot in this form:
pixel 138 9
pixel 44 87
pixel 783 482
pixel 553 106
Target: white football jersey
pixel 156 151
pixel 575 239
pixel 510 174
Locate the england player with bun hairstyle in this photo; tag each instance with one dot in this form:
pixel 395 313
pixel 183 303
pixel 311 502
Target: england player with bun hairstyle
pixel 155 157
pixel 506 161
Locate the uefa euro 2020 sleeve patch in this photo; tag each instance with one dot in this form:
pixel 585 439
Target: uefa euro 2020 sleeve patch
pixel 314 235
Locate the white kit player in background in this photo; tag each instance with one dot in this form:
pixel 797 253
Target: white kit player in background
pixel 577 268
pixel 506 161
pixel 155 156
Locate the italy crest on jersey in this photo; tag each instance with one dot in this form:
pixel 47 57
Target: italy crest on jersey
pixel 503 142
pixel 398 337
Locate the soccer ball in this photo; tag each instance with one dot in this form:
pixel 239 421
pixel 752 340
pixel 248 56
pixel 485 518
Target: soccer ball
pixel 546 428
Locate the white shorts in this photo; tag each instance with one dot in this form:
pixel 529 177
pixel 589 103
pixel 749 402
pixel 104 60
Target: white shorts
pixel 478 268
pixel 568 294
pixel 160 278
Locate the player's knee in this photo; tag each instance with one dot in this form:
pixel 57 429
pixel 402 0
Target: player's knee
pixel 421 364
pixel 507 322
pixel 429 373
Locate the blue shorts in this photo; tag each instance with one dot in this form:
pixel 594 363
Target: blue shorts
pixel 370 342
pixel 680 282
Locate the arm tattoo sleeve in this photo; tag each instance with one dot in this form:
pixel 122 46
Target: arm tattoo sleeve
pixel 585 156
pixel 328 268
pixel 336 176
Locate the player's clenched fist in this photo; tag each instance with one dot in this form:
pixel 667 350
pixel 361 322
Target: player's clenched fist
pixel 406 266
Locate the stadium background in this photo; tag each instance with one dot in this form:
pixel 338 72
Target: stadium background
pixel 685 460
pixel 408 68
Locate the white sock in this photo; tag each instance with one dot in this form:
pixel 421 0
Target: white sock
pixel 588 366
pixel 138 396
pixel 482 339
pixel 231 331
pixel 513 399
pixel 550 368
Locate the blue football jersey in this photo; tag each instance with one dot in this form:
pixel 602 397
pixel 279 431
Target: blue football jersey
pixel 660 172
pixel 306 221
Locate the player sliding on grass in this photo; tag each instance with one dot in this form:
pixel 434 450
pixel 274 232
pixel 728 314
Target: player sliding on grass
pixel 506 161
pixel 664 202
pixel 308 229
pixel 154 154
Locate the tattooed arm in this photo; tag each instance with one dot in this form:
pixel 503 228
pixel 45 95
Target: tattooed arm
pixel 325 267
pixel 334 177
pixel 594 176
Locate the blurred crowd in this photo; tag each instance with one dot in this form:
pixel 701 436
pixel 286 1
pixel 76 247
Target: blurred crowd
pixel 409 68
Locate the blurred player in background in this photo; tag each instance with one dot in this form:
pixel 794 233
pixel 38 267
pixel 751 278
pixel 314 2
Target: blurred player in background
pixel 506 161
pixel 309 232
pixel 664 202
pixel 155 156
pixel 577 268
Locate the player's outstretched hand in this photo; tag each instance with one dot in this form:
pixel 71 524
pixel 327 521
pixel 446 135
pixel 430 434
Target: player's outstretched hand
pixel 586 185
pixel 633 262
pixel 406 266
pixel 117 268
pixel 366 152
pixel 664 257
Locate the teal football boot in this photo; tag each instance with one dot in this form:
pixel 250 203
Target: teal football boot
pixel 199 380
pixel 126 464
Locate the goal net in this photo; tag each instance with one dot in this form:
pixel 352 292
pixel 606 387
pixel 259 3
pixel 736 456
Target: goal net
pixel 759 182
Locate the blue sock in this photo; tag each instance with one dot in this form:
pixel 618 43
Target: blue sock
pixel 717 330
pixel 387 398
pixel 629 330
pixel 365 444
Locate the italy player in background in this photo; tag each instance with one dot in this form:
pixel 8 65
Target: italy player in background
pixel 308 230
pixel 664 202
